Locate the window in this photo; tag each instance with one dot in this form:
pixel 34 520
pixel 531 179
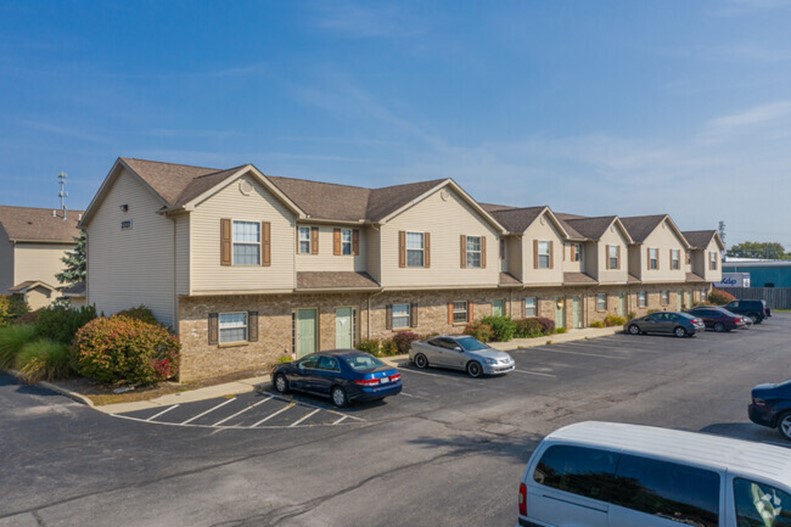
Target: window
pixel 576 252
pixel 712 261
pixel 543 255
pixel 704 293
pixel 502 249
pixel 642 299
pixel 531 306
pixel 688 257
pixel 613 256
pixel 401 317
pixel 233 327
pixel 601 302
pixel 653 258
pixel 460 311
pixel 304 240
pixel 664 297
pixel 473 252
pixel 675 259
pixel 346 242
pixel 414 249
pixel 585 471
pixel 759 504
pixel 498 308
pixel 246 243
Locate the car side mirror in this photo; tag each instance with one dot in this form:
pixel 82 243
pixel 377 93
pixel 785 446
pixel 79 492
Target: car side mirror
pixel 301 366
pixel 457 348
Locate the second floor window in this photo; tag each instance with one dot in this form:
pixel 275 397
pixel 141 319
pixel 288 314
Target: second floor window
pixel 246 243
pixel 653 258
pixel 612 256
pixel 576 252
pixel 712 261
pixel 473 252
pixel 688 257
pixel 304 240
pixel 543 255
pixel 415 255
pixel 346 241
pixel 675 259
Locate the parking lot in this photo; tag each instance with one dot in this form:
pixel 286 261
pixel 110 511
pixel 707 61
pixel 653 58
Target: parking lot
pixel 447 451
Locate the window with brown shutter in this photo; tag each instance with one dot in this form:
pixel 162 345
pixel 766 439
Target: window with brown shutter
pixel 551 254
pixel 618 256
pixel 314 240
pixel 535 254
pixel 266 243
pixel 647 258
pixel 607 258
pixel 401 249
pixel 252 326
pixel 225 241
pixel 426 249
pixel 483 252
pixel 336 242
pixel 389 316
pixel 470 312
pixel 356 242
pixel 463 254
pixel 573 252
pixel 214 329
pixel 450 312
pixel 413 315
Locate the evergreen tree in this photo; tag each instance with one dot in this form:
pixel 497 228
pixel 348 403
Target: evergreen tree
pixel 75 261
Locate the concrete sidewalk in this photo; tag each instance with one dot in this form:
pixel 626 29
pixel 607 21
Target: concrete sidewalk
pixel 248 385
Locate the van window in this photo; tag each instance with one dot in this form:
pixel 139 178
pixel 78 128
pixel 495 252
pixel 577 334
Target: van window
pixel 681 493
pixel 585 471
pixel 760 505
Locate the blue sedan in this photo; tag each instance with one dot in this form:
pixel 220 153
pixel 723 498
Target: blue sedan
pixel 342 375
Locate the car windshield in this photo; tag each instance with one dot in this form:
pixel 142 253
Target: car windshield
pixel 363 362
pixel 471 344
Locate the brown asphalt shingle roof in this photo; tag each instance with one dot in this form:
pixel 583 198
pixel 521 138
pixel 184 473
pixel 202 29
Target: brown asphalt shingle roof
pixel 35 224
pixel 201 184
pixel 692 277
pixel 699 239
pixel 591 228
pixel 325 200
pixel 639 227
pixel 311 280
pixel 517 220
pixel 507 279
pixel 385 200
pixel 169 180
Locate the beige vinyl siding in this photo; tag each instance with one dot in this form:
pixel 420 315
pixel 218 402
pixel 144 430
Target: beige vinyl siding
pixel 6 263
pixel 710 276
pixel 591 257
pixel 446 220
pixel 182 254
pixel 39 261
pixel 568 265
pixel 326 260
pixel 612 236
pixel 207 275
pixel 372 252
pixel 515 256
pixel 39 297
pixel 542 229
pixel 663 238
pixel 127 268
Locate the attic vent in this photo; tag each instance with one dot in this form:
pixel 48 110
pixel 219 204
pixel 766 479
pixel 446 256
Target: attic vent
pixel 245 187
pixel 443 194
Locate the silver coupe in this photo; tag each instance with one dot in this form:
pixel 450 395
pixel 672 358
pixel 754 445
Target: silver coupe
pixel 460 352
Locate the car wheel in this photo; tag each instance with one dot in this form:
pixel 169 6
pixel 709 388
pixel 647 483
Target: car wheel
pixel 339 398
pixel 633 329
pixel 421 361
pixel 680 332
pixel 474 369
pixel 280 383
pixel 784 425
pixel 719 327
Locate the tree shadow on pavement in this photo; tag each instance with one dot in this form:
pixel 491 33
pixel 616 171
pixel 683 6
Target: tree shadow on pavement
pixel 516 446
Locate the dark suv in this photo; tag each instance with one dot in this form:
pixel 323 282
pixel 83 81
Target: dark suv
pixel 754 309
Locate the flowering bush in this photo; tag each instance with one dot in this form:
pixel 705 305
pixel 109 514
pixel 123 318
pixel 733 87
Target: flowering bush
pixel 547 325
pixel 123 350
pixel 614 320
pixel 403 340
pixel 369 346
pixel 720 297
pixel 140 312
pixel 480 331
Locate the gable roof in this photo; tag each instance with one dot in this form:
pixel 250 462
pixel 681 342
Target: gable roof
pixel 701 239
pixel 639 227
pixel 167 180
pixel 594 228
pixel 28 224
pixel 516 221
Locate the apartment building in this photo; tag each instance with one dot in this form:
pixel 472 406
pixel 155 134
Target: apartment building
pixel 247 267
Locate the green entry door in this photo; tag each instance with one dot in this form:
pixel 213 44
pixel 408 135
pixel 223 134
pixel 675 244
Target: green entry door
pixel 344 328
pixel 560 312
pixel 622 304
pixel 576 312
pixel 307 331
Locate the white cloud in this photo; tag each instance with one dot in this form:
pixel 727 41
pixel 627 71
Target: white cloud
pixel 375 20
pixel 729 126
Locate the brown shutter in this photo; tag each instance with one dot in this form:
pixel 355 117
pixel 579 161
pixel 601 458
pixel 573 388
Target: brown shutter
pixel 252 326
pixel 314 240
pixel 266 243
pixel 670 259
pixel 389 316
pixel 463 251
pixel 413 315
pixel 470 312
pixel 647 258
pixel 450 312
pixel 551 254
pixel 401 249
pixel 225 241
pixel 524 311
pixel 618 256
pixel 298 231
pixel 607 257
pixel 535 254
pixel 356 242
pixel 573 253
pixel 214 328
pixel 336 242
pixel 483 252
pixel 657 259
pixel 426 249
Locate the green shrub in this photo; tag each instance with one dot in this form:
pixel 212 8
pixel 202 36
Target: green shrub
pixel 720 297
pixel 560 330
pixel 527 328
pixel 140 312
pixel 614 320
pixel 284 359
pixel 389 348
pixel 503 328
pixel 371 346
pixel 61 323
pixel 404 339
pixel 631 315
pixel 12 339
pixel 597 324
pixel 11 308
pixel 43 359
pixel 29 318
pixel 480 331
pixel 547 325
pixel 122 350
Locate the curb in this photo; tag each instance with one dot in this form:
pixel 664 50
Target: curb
pixel 57 389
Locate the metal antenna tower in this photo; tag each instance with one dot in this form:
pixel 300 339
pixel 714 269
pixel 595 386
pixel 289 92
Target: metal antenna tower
pixel 63 194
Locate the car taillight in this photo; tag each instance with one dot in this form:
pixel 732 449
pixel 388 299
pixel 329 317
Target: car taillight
pixel 366 382
pixel 395 377
pixel 759 402
pixel 522 499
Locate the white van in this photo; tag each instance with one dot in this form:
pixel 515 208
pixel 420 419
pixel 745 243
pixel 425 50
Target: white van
pixel 597 474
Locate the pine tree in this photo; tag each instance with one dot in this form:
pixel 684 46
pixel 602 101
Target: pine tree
pixel 75 261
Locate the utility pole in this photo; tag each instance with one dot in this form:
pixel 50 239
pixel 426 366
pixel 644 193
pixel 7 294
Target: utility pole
pixel 63 194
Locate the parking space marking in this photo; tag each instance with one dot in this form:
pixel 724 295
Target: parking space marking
pixel 289 406
pixel 426 373
pixel 163 412
pixel 540 374
pixel 569 352
pixel 240 412
pixel 208 411
pixel 295 423
pixel 342 419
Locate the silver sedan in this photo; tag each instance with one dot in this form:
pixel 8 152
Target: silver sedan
pixel 460 352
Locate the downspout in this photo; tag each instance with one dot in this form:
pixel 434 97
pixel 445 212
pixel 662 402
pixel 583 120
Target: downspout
pixel 175 313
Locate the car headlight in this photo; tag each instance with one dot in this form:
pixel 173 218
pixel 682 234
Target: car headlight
pixel 490 361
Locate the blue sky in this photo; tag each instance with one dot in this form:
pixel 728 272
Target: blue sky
pixel 590 107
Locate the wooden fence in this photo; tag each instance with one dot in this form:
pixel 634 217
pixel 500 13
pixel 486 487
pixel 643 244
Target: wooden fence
pixel 776 297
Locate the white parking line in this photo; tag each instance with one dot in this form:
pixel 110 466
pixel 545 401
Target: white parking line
pixel 425 373
pixel 528 372
pixel 209 411
pixel 267 418
pixel 163 412
pixel 342 419
pixel 240 412
pixel 580 353
pixel 295 423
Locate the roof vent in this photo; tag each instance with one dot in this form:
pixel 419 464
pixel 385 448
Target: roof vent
pixel 54 213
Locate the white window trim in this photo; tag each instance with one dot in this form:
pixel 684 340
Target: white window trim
pixel 534 307
pixel 422 249
pixel 465 311
pixel 303 240
pixel 601 301
pixel 469 251
pixel 653 259
pixel 345 243
pixel 577 252
pixel 540 254
pixel 642 299
pixel 234 243
pixel 245 326
pixel 675 259
pixel 613 257
pixel 712 261
pixel 407 317
pixel 664 297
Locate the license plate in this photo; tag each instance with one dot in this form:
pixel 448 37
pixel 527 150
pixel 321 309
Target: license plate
pixel 384 380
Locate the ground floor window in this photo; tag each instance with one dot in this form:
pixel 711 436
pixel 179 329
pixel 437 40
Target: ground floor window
pixel 400 316
pixel 601 302
pixel 460 311
pixel 531 306
pixel 642 299
pixel 704 293
pixel 664 297
pixel 233 327
pixel 498 308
